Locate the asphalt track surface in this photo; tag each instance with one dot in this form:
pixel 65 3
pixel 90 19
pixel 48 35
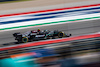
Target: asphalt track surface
pixel 76 28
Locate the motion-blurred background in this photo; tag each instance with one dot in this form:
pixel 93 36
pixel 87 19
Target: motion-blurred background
pixel 78 17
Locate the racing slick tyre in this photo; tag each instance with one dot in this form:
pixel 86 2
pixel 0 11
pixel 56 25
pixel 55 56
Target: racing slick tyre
pixel 24 39
pixel 61 34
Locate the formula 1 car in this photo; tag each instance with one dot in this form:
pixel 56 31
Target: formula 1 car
pixel 41 35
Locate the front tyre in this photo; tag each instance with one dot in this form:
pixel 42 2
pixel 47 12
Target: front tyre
pixel 24 39
pixel 61 34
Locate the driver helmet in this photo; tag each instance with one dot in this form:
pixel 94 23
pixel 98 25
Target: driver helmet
pixel 38 30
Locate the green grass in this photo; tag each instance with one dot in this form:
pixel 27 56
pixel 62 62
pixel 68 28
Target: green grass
pixel 13 1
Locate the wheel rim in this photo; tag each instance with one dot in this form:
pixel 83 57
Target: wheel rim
pixel 25 39
pixel 61 34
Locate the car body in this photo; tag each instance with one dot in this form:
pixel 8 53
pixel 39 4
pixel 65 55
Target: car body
pixel 34 35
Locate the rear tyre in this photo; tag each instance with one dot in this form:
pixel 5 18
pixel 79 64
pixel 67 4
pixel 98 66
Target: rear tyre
pixel 24 39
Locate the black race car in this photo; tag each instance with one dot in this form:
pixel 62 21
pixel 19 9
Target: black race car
pixel 39 35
